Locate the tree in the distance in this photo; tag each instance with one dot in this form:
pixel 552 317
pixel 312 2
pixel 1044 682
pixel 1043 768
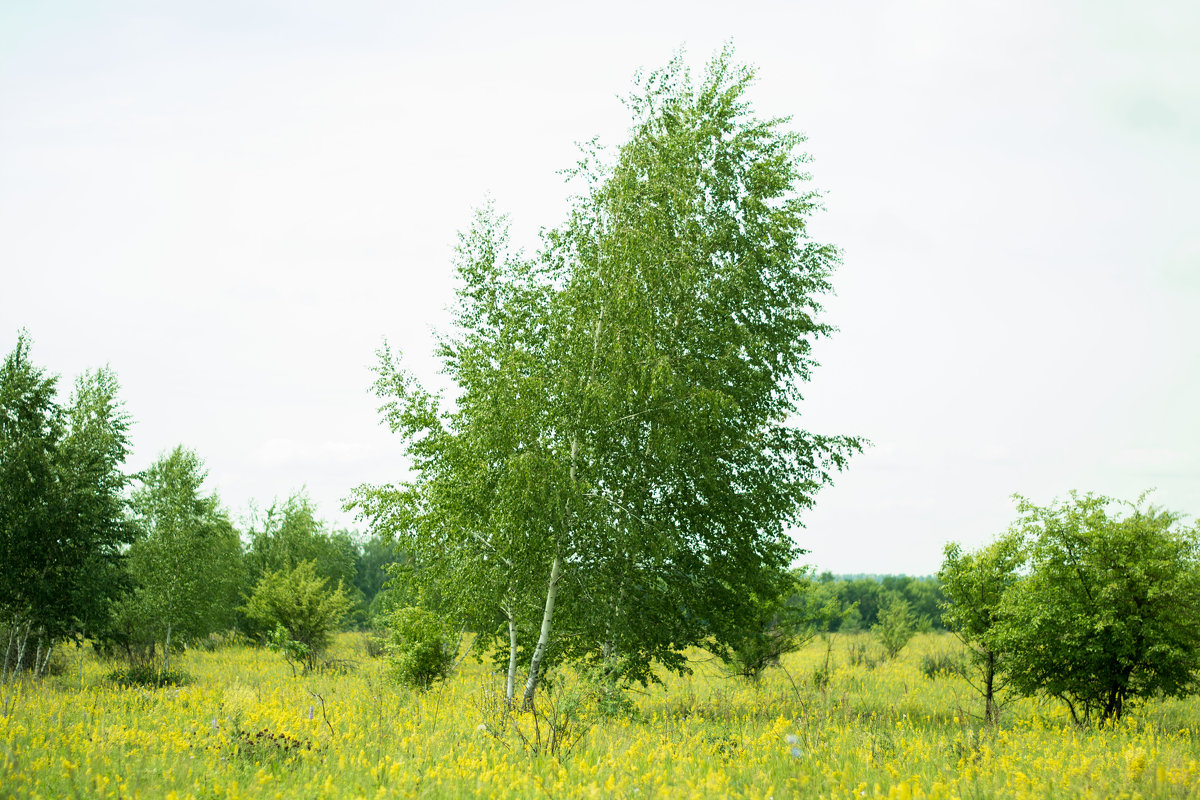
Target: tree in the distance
pixel 291 532
pixel 186 563
pixel 1103 617
pixel 896 625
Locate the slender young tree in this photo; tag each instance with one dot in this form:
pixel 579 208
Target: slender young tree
pixel 187 561
pixel 486 486
pixel 974 583
pixel 689 309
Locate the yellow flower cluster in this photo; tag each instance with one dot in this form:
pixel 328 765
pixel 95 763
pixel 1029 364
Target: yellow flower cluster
pixel 244 727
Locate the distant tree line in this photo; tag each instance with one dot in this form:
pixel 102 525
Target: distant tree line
pixel 858 599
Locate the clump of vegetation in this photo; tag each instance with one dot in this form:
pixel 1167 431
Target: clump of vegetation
pixel 1083 605
pixel 860 654
pixel 148 675
pixel 268 746
pixel 301 610
pixel 421 647
pixel 942 665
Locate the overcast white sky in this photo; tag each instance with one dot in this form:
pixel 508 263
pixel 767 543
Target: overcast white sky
pixel 234 203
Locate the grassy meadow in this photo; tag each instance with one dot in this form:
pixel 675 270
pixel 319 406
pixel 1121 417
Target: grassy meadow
pixel 245 727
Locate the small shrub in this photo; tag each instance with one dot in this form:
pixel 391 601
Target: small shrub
pixel 148 675
pixel 421 647
pixel 605 685
pixel 301 610
pixel 941 665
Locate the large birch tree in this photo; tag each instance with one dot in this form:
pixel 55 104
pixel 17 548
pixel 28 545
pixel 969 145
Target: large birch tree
pixel 624 434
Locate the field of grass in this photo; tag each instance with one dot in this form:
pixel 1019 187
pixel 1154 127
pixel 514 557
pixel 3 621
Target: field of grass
pixel 245 727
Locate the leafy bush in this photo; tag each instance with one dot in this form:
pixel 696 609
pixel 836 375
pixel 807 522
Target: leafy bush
pixel 606 684
pixel 148 675
pixel 301 610
pixel 421 647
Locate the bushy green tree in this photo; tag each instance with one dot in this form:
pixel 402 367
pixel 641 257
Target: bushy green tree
pixel 1104 615
pixel 291 532
pixel 63 521
pixel 185 564
pixel 303 607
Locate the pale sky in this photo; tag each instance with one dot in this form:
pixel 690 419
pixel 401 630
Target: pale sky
pixel 234 203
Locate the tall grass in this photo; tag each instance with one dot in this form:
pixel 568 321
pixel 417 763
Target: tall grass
pixel 244 727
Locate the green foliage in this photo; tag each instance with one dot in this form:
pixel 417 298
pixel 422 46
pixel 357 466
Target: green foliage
pixel 780 625
pixel 1101 616
pixel 866 594
pixel 185 565
pixel 301 609
pixel 291 532
pixel 974 585
pixel 293 652
pixel 421 647
pixel 373 556
pixel 851 621
pixel 896 625
pixel 148 675
pixel 63 524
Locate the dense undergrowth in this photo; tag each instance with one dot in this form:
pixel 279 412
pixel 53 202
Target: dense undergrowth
pixel 243 726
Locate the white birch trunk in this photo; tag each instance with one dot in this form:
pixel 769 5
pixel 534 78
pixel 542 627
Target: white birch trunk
pixel 46 658
pixel 510 685
pixel 539 652
pixel 22 641
pixel 167 649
